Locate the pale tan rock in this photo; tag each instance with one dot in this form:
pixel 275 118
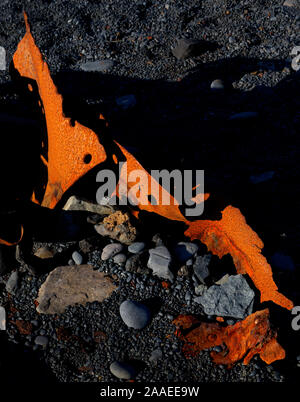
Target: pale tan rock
pixel 68 285
pixel 222 280
pixel 76 204
pixel 118 227
pixel 44 252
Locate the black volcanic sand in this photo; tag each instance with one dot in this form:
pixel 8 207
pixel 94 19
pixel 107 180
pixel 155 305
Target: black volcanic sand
pixel 177 122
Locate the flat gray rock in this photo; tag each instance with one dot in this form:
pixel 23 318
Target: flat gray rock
pixel 68 285
pixel 201 267
pixel 160 261
pixel 120 259
pixel 136 247
pixel 98 65
pixel 41 340
pixel 155 355
pixel 234 298
pixel 135 315
pixel 12 283
pixel 186 48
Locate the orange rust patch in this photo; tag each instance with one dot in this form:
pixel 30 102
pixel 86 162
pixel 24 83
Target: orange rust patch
pixel 99 336
pixel 239 341
pixel 24 327
pixel 231 235
pixel 63 334
pixel 84 369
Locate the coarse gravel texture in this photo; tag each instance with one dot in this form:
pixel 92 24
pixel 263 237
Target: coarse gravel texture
pixel 84 341
pixel 178 121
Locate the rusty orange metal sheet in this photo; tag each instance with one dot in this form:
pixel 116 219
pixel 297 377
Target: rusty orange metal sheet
pixel 69 148
pixel 242 340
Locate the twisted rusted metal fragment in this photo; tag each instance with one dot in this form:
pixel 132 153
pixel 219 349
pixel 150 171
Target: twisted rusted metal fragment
pixel 242 340
pixel 230 235
pixel 68 147
pixel 72 150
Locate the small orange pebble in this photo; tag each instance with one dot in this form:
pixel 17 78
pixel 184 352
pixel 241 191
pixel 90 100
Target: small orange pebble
pixel 165 285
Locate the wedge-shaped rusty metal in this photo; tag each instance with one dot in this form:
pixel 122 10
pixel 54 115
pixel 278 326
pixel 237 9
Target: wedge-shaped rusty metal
pixel 74 150
pixel 242 340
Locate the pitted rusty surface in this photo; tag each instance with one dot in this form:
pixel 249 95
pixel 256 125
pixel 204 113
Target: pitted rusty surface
pixel 232 235
pixel 242 340
pixel 67 145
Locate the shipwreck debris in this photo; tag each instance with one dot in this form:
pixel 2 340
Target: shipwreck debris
pixel 242 340
pixel 230 235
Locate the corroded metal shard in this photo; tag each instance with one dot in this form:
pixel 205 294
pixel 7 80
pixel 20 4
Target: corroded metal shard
pixel 72 150
pixel 231 235
pixel 242 340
